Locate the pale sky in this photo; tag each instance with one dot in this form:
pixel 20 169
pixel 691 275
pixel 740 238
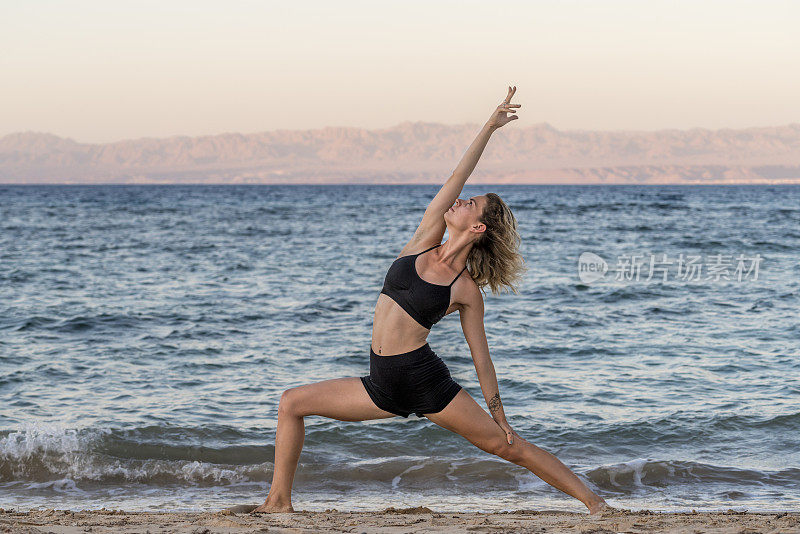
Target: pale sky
pixel 100 71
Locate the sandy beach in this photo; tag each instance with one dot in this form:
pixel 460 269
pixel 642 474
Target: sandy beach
pixel 392 520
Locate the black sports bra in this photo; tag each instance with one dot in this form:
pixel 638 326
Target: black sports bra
pixel 425 302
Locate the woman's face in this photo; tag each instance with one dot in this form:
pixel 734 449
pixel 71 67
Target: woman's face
pixel 465 213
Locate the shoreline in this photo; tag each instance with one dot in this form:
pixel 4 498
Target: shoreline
pixel 395 520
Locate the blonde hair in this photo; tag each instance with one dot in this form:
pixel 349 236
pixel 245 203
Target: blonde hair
pixel 494 259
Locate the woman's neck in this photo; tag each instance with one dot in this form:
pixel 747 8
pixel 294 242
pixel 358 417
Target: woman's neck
pixel 455 250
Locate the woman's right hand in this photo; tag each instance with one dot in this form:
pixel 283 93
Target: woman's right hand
pixel 501 116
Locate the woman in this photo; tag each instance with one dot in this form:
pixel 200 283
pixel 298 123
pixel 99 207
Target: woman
pixel 427 281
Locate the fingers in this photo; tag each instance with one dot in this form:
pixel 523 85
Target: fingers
pixel 509 432
pixel 505 106
pixel 502 112
pixel 505 112
pixel 511 91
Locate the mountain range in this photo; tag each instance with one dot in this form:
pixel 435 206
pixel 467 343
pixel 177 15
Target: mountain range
pixel 413 152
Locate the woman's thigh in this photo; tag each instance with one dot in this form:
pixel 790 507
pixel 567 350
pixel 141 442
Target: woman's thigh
pixel 465 417
pixel 344 399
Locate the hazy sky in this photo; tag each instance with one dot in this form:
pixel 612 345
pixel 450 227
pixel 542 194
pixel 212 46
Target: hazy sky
pixel 100 71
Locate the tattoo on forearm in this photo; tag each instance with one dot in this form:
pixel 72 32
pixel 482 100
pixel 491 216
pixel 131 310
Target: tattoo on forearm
pixel 495 403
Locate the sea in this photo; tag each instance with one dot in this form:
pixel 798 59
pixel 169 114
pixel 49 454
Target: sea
pixel 147 333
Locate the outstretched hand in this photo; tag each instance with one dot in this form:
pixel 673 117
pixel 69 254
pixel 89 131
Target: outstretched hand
pixel 500 117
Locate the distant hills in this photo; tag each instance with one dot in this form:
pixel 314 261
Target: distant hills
pixel 413 152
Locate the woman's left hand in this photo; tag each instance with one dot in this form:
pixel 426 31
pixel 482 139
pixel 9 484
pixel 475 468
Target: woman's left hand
pixel 510 433
pixel 500 116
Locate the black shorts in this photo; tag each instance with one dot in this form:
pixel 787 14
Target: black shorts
pixel 416 382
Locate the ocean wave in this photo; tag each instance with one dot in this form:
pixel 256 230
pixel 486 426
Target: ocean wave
pixel 44 453
pixel 641 473
pixel 64 459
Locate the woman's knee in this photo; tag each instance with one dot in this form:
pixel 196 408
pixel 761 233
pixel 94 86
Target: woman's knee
pixel 494 446
pixel 510 452
pixel 290 403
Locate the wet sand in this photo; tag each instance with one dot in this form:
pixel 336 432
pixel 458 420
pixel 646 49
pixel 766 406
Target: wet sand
pixel 393 520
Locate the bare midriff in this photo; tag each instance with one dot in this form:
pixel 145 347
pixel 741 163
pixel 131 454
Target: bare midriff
pixel 394 331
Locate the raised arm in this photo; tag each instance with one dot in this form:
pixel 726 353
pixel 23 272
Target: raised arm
pixel 432 228
pixel 449 192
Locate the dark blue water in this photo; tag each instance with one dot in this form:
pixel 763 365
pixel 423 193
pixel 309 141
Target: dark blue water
pixel 147 333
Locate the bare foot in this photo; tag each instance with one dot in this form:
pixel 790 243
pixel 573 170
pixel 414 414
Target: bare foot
pixel 602 508
pixel 241 508
pixel 271 508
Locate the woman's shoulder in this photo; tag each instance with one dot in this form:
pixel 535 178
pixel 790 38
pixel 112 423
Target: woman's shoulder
pixel 467 291
pixel 416 246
